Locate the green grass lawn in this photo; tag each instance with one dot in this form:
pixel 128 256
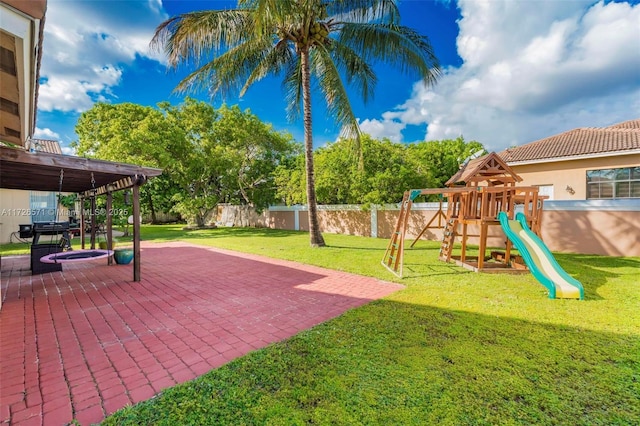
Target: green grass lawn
pixel 453 348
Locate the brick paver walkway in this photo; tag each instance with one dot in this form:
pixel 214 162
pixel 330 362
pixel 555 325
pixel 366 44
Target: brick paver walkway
pixel 86 341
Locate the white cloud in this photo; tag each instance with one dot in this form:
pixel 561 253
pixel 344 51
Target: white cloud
pixel 568 64
pixel 86 46
pixel 67 150
pixel 45 133
pixel 385 128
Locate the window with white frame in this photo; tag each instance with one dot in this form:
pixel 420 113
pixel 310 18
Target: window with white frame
pixel 42 206
pixel 613 183
pixel 546 190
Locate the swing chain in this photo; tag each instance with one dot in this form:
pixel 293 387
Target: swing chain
pixel 93 185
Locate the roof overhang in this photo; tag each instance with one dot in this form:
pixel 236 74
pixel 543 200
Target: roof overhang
pixel 21 27
pixel 574 157
pixel 21 31
pixel 20 169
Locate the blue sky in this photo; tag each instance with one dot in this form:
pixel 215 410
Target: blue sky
pixel 514 70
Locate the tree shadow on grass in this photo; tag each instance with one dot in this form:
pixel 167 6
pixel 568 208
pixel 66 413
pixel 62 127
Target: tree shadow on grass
pixel 422 261
pixel 403 363
pixel 590 270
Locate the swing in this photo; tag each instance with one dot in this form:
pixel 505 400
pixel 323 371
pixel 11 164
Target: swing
pixel 75 255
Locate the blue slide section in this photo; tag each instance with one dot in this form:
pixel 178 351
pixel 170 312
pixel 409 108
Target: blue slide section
pixel 539 259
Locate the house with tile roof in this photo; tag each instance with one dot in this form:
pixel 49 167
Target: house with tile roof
pixel 592 178
pixel 593 163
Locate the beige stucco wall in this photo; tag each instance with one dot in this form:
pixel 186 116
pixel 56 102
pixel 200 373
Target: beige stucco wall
pixel 14 207
pixel 572 173
pixel 387 220
pixel 591 231
pixel 349 222
pixel 612 233
pixel 282 220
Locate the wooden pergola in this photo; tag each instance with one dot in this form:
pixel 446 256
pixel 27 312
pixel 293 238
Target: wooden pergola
pixel 20 169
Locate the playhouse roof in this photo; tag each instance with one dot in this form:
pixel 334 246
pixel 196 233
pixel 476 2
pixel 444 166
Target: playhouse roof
pixel 489 168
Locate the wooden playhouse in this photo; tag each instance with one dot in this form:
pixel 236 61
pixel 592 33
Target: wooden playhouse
pixel 481 189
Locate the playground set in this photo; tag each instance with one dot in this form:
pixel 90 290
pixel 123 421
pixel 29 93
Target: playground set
pixel 481 195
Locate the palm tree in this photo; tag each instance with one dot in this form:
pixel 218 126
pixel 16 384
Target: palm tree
pixel 297 39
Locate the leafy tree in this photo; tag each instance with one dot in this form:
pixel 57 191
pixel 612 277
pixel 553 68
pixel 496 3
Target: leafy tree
pixel 231 158
pixel 208 156
pixel 289 179
pixel 254 149
pixel 381 176
pixel 134 134
pixel 388 170
pixel 443 158
pixel 128 133
pixel 157 195
pixel 297 39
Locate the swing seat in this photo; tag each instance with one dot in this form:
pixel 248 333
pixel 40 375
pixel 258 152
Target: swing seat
pixel 40 250
pixel 76 256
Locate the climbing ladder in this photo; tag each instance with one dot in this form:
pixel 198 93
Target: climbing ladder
pixel 394 256
pixel 448 238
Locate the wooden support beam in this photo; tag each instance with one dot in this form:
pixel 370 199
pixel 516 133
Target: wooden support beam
pixel 119 185
pixel 439 215
pixel 483 244
pixel 82 227
pixel 93 223
pixel 463 251
pixel 109 226
pixel 136 233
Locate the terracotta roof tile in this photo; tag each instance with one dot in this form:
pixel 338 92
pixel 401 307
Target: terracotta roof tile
pixel 48 146
pixel 631 124
pixel 578 142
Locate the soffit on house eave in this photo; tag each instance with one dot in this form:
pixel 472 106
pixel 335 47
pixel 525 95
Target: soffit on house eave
pixel 574 157
pixel 34 8
pixel 33 14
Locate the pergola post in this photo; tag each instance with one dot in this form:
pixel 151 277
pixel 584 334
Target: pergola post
pixel 93 222
pixel 136 230
pixel 82 228
pixel 109 226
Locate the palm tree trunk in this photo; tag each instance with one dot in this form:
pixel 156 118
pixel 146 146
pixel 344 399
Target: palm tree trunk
pixel 314 225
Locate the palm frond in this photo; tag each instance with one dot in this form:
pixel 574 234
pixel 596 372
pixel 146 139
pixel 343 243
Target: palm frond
pixel 228 72
pixel 401 46
pixel 193 36
pixel 356 70
pixel 274 60
pixel 360 11
pixel 335 93
pixel 270 14
pixel 292 86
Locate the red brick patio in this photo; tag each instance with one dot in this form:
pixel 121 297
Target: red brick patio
pixel 86 341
